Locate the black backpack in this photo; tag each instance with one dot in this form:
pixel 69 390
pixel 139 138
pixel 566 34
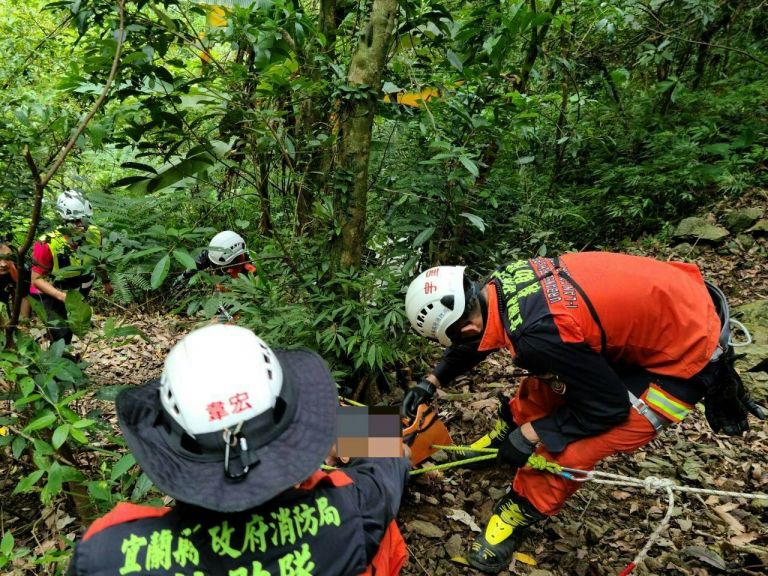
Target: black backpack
pixel 726 400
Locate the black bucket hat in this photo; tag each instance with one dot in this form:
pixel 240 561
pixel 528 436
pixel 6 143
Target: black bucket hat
pixel 269 454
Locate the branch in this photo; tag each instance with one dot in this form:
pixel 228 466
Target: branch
pixel 38 201
pixel 29 438
pixel 41 181
pixel 99 101
pixel 35 52
pixel 709 44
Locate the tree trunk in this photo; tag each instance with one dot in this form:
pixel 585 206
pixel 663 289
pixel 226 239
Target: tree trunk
pixel 265 220
pixel 357 111
pixel 560 133
pixel 534 47
pixel 314 120
pixel 706 37
pixel 237 131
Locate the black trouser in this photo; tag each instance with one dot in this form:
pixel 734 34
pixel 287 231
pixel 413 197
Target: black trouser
pixel 56 316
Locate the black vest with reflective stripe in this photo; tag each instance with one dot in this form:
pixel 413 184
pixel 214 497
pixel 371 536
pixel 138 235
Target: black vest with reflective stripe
pixel 303 532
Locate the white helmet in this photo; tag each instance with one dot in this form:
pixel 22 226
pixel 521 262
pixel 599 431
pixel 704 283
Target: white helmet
pixel 205 395
pixel 225 247
pixel 435 300
pixel 72 205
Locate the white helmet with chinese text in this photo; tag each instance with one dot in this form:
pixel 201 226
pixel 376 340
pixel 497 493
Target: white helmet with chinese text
pixel 225 247
pixel 435 301
pixel 71 205
pixel 231 423
pixel 187 390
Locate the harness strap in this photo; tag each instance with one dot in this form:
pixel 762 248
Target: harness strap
pixel 657 420
pixel 557 269
pixel 587 301
pixel 723 312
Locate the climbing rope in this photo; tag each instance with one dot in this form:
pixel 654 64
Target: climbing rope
pixel 453 464
pixel 743 329
pixel 650 484
pixel 350 401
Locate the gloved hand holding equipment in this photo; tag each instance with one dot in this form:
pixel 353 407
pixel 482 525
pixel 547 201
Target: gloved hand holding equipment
pixel 423 432
pixel 422 393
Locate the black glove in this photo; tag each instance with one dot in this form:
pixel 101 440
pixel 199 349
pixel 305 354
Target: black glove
pixel 727 402
pixel 515 450
pixel 422 393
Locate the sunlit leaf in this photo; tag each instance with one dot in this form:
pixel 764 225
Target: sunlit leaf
pixel 160 272
pixel 476 221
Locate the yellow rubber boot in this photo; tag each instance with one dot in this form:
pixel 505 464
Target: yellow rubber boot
pixel 492 551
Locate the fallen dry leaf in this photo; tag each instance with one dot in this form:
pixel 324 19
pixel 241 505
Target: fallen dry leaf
pixel 743 539
pixel 724 513
pixel 465 518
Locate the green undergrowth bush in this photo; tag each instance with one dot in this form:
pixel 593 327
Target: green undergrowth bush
pixel 59 446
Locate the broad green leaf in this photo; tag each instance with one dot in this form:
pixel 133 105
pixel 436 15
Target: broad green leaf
pixel 6 544
pixel 476 221
pixel 27 385
pixel 290 149
pixel 141 253
pixel 42 448
pixel 43 421
pixel 454 60
pixel 389 88
pixel 143 484
pixel 139 166
pixel 160 272
pixel 53 487
pixel 26 484
pixel 83 423
pixel 19 443
pixel 469 165
pixel 170 175
pixel 78 436
pixel 38 309
pixel 721 148
pixel 183 258
pixel 122 332
pixel 99 490
pixel 122 466
pixel 425 235
pixel 60 435
pixel 78 313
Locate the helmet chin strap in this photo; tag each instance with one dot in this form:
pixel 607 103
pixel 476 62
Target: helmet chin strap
pixel 483 301
pixel 474 291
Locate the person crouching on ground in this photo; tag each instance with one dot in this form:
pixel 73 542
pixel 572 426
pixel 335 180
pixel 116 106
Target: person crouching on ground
pixel 240 447
pixel 58 266
pixel 623 346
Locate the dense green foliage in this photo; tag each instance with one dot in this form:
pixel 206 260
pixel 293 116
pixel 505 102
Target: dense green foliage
pixel 542 125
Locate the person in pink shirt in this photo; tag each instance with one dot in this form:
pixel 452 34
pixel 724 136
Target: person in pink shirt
pixel 58 265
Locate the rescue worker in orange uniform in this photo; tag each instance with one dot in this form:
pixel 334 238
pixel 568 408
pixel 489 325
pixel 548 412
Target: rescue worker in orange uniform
pixel 629 345
pixel 240 449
